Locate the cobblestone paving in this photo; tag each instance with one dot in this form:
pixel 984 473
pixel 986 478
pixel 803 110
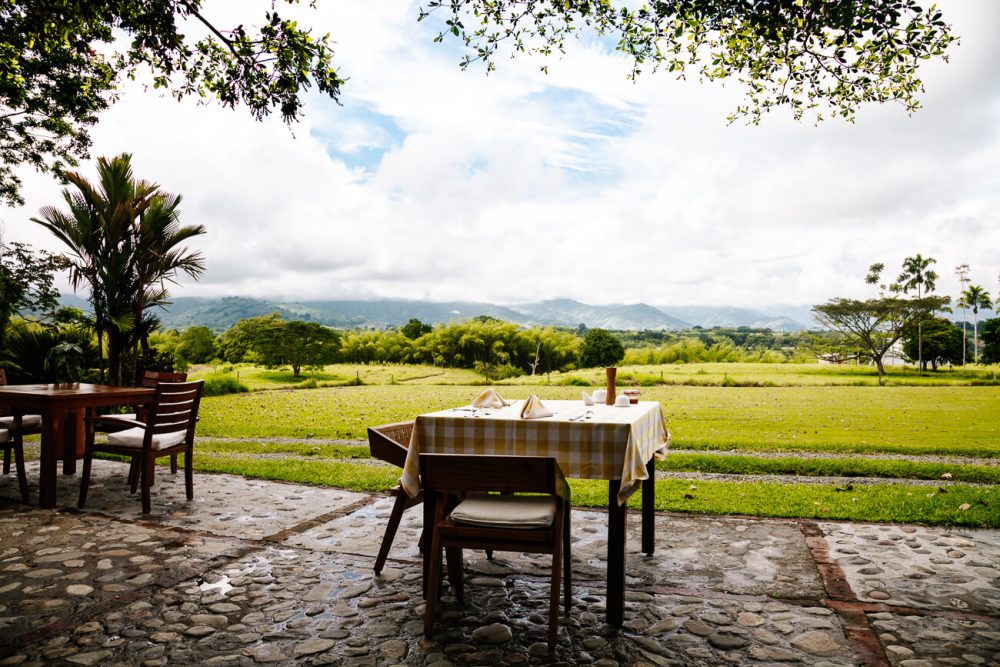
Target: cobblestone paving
pixel 255 572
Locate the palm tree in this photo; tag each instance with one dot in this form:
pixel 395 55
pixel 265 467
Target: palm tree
pixel 975 297
pixel 962 271
pixel 917 275
pixel 124 242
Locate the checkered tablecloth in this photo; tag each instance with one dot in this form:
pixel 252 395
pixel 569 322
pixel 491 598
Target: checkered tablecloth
pixel 614 443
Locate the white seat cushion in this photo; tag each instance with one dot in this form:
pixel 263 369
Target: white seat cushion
pixel 506 511
pixel 27 421
pixel 133 438
pixel 4 435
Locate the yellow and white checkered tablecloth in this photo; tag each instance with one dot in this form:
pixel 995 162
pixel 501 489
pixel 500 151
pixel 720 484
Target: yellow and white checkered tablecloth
pixel 615 443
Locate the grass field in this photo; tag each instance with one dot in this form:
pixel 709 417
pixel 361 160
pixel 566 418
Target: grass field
pixel 962 421
pixel 779 375
pixel 768 418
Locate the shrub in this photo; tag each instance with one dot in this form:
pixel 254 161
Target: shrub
pixel 218 384
pixel 307 384
pixel 573 381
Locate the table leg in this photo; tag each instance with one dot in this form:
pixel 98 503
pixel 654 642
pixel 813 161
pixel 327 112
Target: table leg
pixel 73 440
pixel 616 557
pixel 51 446
pixel 430 501
pixel 648 514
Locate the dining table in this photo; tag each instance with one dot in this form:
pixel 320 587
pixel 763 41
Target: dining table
pixel 62 407
pixel 619 444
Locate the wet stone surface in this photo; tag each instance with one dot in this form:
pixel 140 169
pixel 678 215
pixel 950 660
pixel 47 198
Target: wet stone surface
pixel 197 583
pixel 922 567
pixel 937 641
pixel 225 505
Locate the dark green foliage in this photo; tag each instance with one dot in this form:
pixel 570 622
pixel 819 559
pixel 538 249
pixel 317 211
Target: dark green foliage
pixel 218 384
pixel 942 342
pixel 414 329
pixel 61 62
pixel 237 344
pixel 296 344
pixel 26 278
pixel 600 348
pixel 28 348
pixel 196 345
pixel 990 336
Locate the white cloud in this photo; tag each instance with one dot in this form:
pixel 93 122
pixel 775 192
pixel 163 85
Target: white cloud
pixel 434 183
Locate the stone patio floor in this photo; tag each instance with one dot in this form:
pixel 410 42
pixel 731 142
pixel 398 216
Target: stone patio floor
pixel 257 572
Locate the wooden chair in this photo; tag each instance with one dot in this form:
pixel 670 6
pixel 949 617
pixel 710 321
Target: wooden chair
pixel 464 518
pixel 389 443
pixel 17 429
pixel 119 422
pixel 11 441
pixel 167 431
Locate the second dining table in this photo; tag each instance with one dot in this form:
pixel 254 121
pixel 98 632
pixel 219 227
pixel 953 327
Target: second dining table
pixel 54 402
pixel 615 443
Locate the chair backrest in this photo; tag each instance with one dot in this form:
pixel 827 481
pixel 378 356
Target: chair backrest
pixel 174 408
pixel 443 473
pixel 390 442
pixel 151 378
pixel 4 409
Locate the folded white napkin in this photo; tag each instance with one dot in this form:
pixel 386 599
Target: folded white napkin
pixel 489 399
pixel 587 398
pixel 533 409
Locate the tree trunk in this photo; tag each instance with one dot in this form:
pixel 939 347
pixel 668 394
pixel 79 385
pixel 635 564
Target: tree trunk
pixel 881 370
pixel 295 370
pixel 975 337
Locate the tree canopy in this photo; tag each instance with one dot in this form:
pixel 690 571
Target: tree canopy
pixel 807 55
pixel 940 343
pixel 62 61
pixel 600 348
pixel 991 341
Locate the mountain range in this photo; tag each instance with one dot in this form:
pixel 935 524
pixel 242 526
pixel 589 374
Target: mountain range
pixel 220 313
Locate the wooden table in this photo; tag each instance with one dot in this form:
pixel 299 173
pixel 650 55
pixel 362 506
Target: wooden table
pixel 53 402
pixel 616 444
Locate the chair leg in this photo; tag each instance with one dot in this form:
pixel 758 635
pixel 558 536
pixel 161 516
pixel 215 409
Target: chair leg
pixel 88 455
pixel 6 461
pixel 188 473
pixel 567 562
pixel 390 531
pixel 22 475
pixel 456 572
pixel 146 465
pixel 173 464
pixel 133 474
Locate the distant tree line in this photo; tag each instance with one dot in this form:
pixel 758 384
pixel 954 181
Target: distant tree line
pixel 493 347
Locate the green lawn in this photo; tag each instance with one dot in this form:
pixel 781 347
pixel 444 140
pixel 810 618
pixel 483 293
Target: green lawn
pixel 916 420
pixel 717 374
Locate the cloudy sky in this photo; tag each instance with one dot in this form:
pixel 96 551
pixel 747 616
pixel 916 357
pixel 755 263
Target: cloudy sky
pixel 438 184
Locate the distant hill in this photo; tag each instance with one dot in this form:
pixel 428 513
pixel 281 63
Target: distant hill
pixel 567 312
pixel 221 313
pixel 731 316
